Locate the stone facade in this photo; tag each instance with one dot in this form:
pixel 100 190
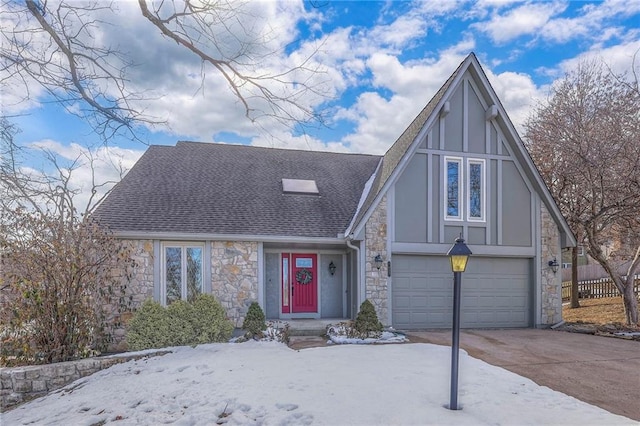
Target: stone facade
pixel 551 283
pixel 376 244
pixel 139 287
pixel 234 277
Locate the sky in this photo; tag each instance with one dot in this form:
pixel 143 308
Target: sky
pixel 268 383
pixel 376 65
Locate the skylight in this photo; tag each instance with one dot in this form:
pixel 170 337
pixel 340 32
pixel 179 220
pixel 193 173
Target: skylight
pixel 299 186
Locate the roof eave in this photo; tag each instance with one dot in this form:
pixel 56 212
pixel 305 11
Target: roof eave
pixel 187 236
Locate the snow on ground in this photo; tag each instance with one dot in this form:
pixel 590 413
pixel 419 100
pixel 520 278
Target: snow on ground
pixel 268 383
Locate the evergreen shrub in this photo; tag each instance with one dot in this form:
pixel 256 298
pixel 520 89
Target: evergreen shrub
pixel 367 323
pixel 254 322
pixel 181 323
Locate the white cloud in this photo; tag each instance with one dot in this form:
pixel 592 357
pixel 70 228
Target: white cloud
pixel 526 19
pixel 102 167
pixel 380 121
pixel 517 93
pixel 619 57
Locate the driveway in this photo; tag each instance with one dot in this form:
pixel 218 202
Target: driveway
pixel 602 371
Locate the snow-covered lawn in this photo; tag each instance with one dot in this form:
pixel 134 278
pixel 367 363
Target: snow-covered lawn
pixel 268 383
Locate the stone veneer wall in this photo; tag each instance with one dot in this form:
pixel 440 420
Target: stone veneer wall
pixel 139 288
pixel 551 284
pixel 234 277
pixel 376 243
pixel 21 384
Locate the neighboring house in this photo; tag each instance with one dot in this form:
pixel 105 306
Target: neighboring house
pixel 299 231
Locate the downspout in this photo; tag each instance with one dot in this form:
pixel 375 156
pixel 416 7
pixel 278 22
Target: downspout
pixel 358 269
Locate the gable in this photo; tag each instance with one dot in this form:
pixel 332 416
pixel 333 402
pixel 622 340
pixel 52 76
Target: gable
pixel 464 126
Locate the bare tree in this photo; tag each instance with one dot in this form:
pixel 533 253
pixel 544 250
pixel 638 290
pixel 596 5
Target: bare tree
pixel 584 141
pixel 63 277
pixel 51 44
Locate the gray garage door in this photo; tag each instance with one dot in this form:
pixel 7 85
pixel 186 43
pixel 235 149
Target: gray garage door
pixel 496 293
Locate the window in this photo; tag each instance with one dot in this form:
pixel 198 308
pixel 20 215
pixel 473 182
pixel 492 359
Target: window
pixel 465 188
pixel 476 187
pixel 453 179
pixel 183 272
pixel 299 186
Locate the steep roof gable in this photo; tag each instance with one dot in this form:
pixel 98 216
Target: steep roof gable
pixel 217 189
pixel 401 151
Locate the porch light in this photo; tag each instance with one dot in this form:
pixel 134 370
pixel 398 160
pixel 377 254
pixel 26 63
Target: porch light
pixel 378 261
pixel 332 268
pixel 459 254
pixel 553 264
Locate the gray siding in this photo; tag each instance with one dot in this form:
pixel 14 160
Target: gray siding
pixel 419 192
pixel 331 286
pixel 272 285
pixel 516 207
pixel 411 222
pixel 476 122
pixel 453 123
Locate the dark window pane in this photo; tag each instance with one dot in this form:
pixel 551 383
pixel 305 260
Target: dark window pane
pixel 173 277
pixel 453 189
pixel 475 190
pixel 194 272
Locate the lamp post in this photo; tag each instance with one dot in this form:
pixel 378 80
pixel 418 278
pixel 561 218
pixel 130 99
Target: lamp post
pixel 459 254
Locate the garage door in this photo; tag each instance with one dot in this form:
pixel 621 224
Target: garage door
pixel 496 293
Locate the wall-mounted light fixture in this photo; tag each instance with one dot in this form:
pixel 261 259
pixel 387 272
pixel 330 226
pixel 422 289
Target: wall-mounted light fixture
pixel 553 264
pixel 378 261
pixel 332 268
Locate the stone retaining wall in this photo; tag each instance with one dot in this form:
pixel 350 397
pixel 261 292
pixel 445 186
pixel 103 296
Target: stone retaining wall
pixel 22 384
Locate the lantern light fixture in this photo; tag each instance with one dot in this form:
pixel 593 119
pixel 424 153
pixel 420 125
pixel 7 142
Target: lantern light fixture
pixel 332 268
pixel 378 261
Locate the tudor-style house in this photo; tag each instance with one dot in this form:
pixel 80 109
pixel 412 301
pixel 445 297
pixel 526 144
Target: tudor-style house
pixel 313 234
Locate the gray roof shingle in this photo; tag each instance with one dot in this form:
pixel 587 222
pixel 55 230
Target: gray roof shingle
pixel 196 188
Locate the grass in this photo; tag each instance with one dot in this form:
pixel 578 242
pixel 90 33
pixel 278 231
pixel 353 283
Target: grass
pixel 597 311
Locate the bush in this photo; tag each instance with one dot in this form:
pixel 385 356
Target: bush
pixel 254 322
pixel 367 324
pixel 149 327
pixel 210 320
pixel 182 323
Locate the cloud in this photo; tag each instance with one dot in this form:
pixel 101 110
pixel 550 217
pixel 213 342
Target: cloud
pixel 619 58
pixel 526 19
pixel 380 120
pixel 517 93
pixel 102 167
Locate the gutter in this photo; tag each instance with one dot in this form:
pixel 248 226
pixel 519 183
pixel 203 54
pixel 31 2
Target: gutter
pixel 358 266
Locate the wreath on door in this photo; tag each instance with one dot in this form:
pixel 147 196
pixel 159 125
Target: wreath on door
pixel 303 276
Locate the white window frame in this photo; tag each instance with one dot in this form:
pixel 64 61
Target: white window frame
pixel 461 197
pixel 483 190
pixel 183 246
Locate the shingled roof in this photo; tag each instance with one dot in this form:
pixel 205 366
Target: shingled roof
pixel 208 188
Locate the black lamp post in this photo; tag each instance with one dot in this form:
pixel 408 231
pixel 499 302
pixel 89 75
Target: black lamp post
pixel 459 254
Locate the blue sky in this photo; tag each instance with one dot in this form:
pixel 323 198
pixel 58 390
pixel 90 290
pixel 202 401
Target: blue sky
pixel 381 62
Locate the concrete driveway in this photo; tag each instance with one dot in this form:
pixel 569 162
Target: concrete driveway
pixel 602 371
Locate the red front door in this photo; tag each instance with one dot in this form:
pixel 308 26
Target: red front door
pixel 300 283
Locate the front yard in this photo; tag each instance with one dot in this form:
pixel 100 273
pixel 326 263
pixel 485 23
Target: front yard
pixel 597 311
